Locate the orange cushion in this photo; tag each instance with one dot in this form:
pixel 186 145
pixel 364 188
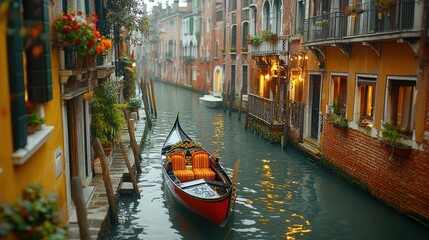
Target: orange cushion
pixel 178 161
pixel 184 175
pixel 203 173
pixel 200 160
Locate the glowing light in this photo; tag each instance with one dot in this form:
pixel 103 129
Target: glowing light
pixel 267 77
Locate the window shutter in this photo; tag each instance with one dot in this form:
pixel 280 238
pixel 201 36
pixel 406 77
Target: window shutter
pixel 39 72
pixel 191 24
pixel 16 77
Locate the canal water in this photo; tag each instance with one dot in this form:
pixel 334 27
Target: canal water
pixel 281 194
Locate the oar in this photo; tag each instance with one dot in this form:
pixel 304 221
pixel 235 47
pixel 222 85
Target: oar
pixel 234 184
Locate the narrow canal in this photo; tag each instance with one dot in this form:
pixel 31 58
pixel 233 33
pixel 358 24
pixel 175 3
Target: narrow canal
pixel 281 195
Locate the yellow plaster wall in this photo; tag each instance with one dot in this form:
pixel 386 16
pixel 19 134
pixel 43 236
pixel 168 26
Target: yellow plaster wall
pixel 40 168
pixel 8 192
pixel 364 60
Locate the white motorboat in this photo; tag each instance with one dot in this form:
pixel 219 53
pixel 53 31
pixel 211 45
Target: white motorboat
pixel 211 100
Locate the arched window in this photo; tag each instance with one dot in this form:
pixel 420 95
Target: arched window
pixel 277 16
pixel 245 32
pixel 233 36
pixel 266 16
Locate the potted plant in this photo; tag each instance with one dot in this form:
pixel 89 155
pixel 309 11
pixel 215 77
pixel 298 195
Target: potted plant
pixel 34 216
pixel 338 120
pixel 107 116
pixel 391 136
pixel 134 104
pixel 34 122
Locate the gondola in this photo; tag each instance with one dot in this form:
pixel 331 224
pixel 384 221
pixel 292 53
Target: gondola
pixel 195 177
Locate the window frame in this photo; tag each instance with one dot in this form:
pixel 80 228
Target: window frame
pixel 365 80
pixel 331 92
pixel 388 112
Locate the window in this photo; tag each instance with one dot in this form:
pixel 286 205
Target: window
pixel 232 5
pixel 216 49
pixel 300 9
pixel 338 95
pixel 277 18
pixel 219 16
pixel 233 36
pixel 365 99
pixel 171 24
pixel 266 16
pixel 36 87
pixel 245 14
pixel 401 103
pixel 245 33
pixel 208 24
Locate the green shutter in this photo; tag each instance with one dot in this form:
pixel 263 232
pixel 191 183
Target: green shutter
pixel 16 76
pixel 191 25
pixel 39 73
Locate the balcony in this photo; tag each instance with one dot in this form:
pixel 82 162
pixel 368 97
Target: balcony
pixel 269 48
pixel 365 22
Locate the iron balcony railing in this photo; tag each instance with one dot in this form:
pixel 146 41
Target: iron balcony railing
pixel 366 19
pixel 270 48
pixel 261 108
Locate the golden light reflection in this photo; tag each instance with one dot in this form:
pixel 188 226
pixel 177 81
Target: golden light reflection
pixel 218 132
pixel 271 195
pixel 297 229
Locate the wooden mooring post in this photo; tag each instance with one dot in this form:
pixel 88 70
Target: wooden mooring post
pixel 79 202
pixel 130 170
pixel 107 181
pixel 240 104
pixel 149 96
pixel 153 98
pixel 145 102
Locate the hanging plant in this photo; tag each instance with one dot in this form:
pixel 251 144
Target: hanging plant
pixel 79 30
pixel 383 5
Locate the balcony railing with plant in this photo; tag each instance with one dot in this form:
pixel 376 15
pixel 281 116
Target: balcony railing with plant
pixel 266 41
pixel 377 17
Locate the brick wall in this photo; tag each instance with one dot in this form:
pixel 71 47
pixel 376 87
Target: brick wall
pixel 400 183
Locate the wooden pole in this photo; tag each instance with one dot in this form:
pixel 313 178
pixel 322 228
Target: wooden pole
pixel 149 96
pixel 79 202
pixel 286 112
pixel 133 142
pixel 107 181
pixel 226 100
pixel 246 124
pixel 231 98
pixel 153 98
pixel 144 137
pixel 240 104
pixel 130 169
pixel 145 103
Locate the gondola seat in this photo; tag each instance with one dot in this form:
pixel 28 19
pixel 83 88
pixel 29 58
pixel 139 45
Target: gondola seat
pixel 201 166
pixel 178 162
